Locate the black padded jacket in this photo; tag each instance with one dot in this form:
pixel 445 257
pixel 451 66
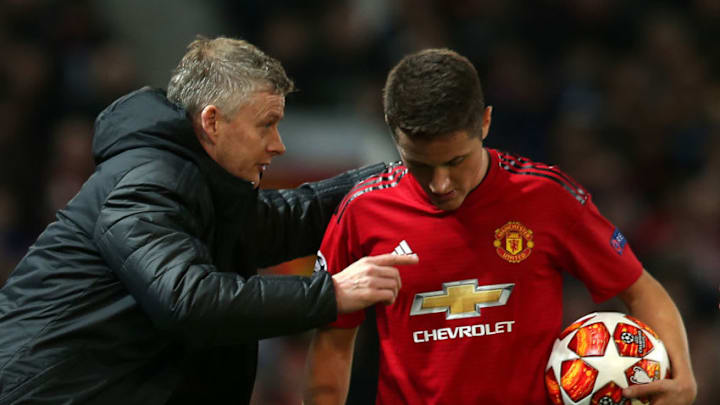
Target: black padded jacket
pixel 144 290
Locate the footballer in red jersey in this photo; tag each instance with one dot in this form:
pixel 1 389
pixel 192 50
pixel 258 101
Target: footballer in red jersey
pixel 486 296
pixel 475 320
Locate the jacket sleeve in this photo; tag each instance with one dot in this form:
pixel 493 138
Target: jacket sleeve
pixel 291 222
pixel 149 236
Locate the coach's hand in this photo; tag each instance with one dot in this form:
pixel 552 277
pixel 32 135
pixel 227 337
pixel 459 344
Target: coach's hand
pixel 369 280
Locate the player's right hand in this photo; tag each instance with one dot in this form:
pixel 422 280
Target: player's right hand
pixel 369 280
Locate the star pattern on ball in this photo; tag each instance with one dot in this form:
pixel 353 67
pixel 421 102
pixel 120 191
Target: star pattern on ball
pixel 616 364
pixel 611 366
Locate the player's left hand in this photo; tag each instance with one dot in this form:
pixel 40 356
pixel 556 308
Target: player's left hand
pixel 664 392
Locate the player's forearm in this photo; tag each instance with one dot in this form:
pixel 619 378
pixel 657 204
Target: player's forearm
pixel 328 367
pixel 652 305
pixel 326 384
pixel 323 395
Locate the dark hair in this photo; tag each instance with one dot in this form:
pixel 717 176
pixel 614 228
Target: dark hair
pixel 432 93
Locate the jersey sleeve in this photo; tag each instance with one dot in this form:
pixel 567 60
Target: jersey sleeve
pixel 597 253
pixel 339 249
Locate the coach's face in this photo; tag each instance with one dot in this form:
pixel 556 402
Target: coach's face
pixel 245 143
pixel 448 167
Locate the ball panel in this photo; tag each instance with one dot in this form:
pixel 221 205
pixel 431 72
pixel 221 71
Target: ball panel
pixel 578 378
pixel 643 372
pixel 609 394
pixel 631 341
pixel 553 387
pixel 590 340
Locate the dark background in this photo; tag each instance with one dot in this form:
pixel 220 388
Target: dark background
pixel 624 96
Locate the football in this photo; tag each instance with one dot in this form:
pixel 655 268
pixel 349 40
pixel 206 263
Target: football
pixel 598 355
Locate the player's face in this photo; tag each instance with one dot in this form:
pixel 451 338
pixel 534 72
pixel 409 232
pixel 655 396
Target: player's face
pixel 447 168
pixel 248 140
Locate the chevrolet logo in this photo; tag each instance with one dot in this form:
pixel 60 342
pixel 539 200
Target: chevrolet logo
pixel 461 299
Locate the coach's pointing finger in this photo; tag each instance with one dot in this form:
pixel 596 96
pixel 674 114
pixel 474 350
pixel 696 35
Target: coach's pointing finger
pixel 368 281
pixel 391 259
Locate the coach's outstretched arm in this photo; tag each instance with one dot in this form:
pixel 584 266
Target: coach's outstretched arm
pixel 647 300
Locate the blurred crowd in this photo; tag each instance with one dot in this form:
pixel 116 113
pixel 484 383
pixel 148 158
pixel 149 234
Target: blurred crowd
pixel 624 96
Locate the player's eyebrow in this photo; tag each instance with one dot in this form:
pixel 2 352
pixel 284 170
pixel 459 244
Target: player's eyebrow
pixel 456 159
pixel 449 162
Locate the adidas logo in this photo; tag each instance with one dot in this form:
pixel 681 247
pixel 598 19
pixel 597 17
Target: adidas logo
pixel 403 249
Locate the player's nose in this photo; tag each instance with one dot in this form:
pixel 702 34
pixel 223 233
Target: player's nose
pixel 440 181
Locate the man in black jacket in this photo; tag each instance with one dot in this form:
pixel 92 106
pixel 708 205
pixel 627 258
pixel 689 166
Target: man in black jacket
pixel 144 290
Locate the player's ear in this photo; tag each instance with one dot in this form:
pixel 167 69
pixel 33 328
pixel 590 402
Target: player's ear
pixel 486 119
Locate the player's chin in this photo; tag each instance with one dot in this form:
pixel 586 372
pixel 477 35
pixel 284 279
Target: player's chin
pixel 447 204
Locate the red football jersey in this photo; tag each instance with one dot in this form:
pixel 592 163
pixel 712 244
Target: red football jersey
pixel 475 320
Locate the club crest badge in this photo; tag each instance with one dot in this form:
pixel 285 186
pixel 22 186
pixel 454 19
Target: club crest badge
pixel 514 242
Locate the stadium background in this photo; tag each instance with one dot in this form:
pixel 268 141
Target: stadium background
pixel 624 96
